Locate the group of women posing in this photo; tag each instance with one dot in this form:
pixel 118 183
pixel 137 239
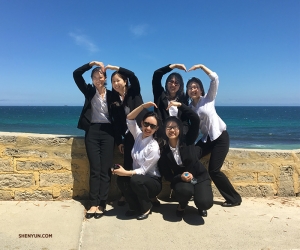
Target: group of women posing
pixel 155 144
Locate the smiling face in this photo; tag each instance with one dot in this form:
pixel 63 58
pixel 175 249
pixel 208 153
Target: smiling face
pixel 149 126
pixel 118 84
pixel 98 78
pixel 173 86
pixel 172 130
pixel 194 91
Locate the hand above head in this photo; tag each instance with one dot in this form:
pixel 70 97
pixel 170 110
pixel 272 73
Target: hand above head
pixel 201 66
pixel 178 66
pixel 99 64
pixel 134 113
pixel 111 67
pixel 196 66
pixel 175 104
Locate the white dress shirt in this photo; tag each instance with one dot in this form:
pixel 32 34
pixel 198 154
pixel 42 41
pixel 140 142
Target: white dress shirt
pixel 210 123
pixel 145 152
pixel 173 111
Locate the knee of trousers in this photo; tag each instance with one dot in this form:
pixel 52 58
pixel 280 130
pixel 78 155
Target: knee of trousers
pixel 204 203
pixel 135 181
pixel 183 191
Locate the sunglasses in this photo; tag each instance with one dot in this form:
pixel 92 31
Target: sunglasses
pixel 147 124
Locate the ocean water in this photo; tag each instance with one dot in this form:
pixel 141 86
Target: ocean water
pixel 248 127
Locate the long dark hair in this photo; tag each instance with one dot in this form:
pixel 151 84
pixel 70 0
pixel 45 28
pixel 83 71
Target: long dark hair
pixel 197 81
pixel 180 93
pixel 125 80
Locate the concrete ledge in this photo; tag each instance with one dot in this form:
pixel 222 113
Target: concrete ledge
pixel 55 167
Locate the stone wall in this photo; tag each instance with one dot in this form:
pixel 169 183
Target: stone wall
pixel 50 167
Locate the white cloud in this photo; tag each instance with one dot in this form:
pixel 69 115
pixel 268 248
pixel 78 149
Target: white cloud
pixel 84 41
pixel 139 30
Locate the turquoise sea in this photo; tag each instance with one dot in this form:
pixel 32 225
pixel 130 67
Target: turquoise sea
pixel 269 127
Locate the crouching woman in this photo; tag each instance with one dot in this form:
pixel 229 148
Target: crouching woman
pixel 179 163
pixel 144 182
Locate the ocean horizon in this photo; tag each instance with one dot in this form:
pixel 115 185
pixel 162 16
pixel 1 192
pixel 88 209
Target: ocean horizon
pixel 257 127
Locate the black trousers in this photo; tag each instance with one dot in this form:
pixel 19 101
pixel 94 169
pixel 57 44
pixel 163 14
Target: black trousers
pixel 128 145
pixel 139 190
pixel 219 149
pixel 99 143
pixel 202 192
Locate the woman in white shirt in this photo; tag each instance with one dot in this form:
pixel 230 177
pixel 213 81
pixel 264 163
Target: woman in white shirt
pixel 215 139
pixel 145 181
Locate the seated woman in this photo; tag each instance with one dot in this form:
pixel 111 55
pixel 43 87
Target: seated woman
pixel 145 181
pixel 179 163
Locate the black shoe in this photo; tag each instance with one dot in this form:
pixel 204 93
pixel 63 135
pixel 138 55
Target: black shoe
pixel 203 213
pixel 89 215
pixel 229 204
pixel 130 213
pixel 98 215
pixel 144 216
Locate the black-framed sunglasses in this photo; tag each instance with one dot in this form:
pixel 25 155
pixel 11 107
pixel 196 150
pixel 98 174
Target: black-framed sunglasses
pixel 147 124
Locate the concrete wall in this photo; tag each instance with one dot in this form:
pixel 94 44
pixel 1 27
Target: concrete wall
pixel 50 167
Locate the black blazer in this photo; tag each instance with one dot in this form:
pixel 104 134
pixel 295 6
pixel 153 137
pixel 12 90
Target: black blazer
pixel 161 100
pixel 133 99
pixel 89 91
pixel 189 153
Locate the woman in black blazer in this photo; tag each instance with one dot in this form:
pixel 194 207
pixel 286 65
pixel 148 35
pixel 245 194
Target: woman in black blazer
pixel 173 91
pixel 96 120
pixel 127 87
pixel 179 163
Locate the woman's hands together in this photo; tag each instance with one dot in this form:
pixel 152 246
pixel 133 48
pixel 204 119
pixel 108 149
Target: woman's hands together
pixel 178 66
pixel 196 66
pixel 98 64
pixel 111 67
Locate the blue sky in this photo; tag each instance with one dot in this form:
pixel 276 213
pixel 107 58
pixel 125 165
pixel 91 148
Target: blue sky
pixel 253 45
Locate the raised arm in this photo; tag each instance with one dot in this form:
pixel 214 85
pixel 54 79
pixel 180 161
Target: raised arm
pixel 201 66
pixel 194 120
pixel 78 78
pixel 214 83
pixel 134 81
pixel 134 113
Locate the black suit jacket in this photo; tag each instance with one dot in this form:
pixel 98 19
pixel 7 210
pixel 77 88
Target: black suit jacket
pixel 161 100
pixel 189 153
pixel 133 99
pixel 89 91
